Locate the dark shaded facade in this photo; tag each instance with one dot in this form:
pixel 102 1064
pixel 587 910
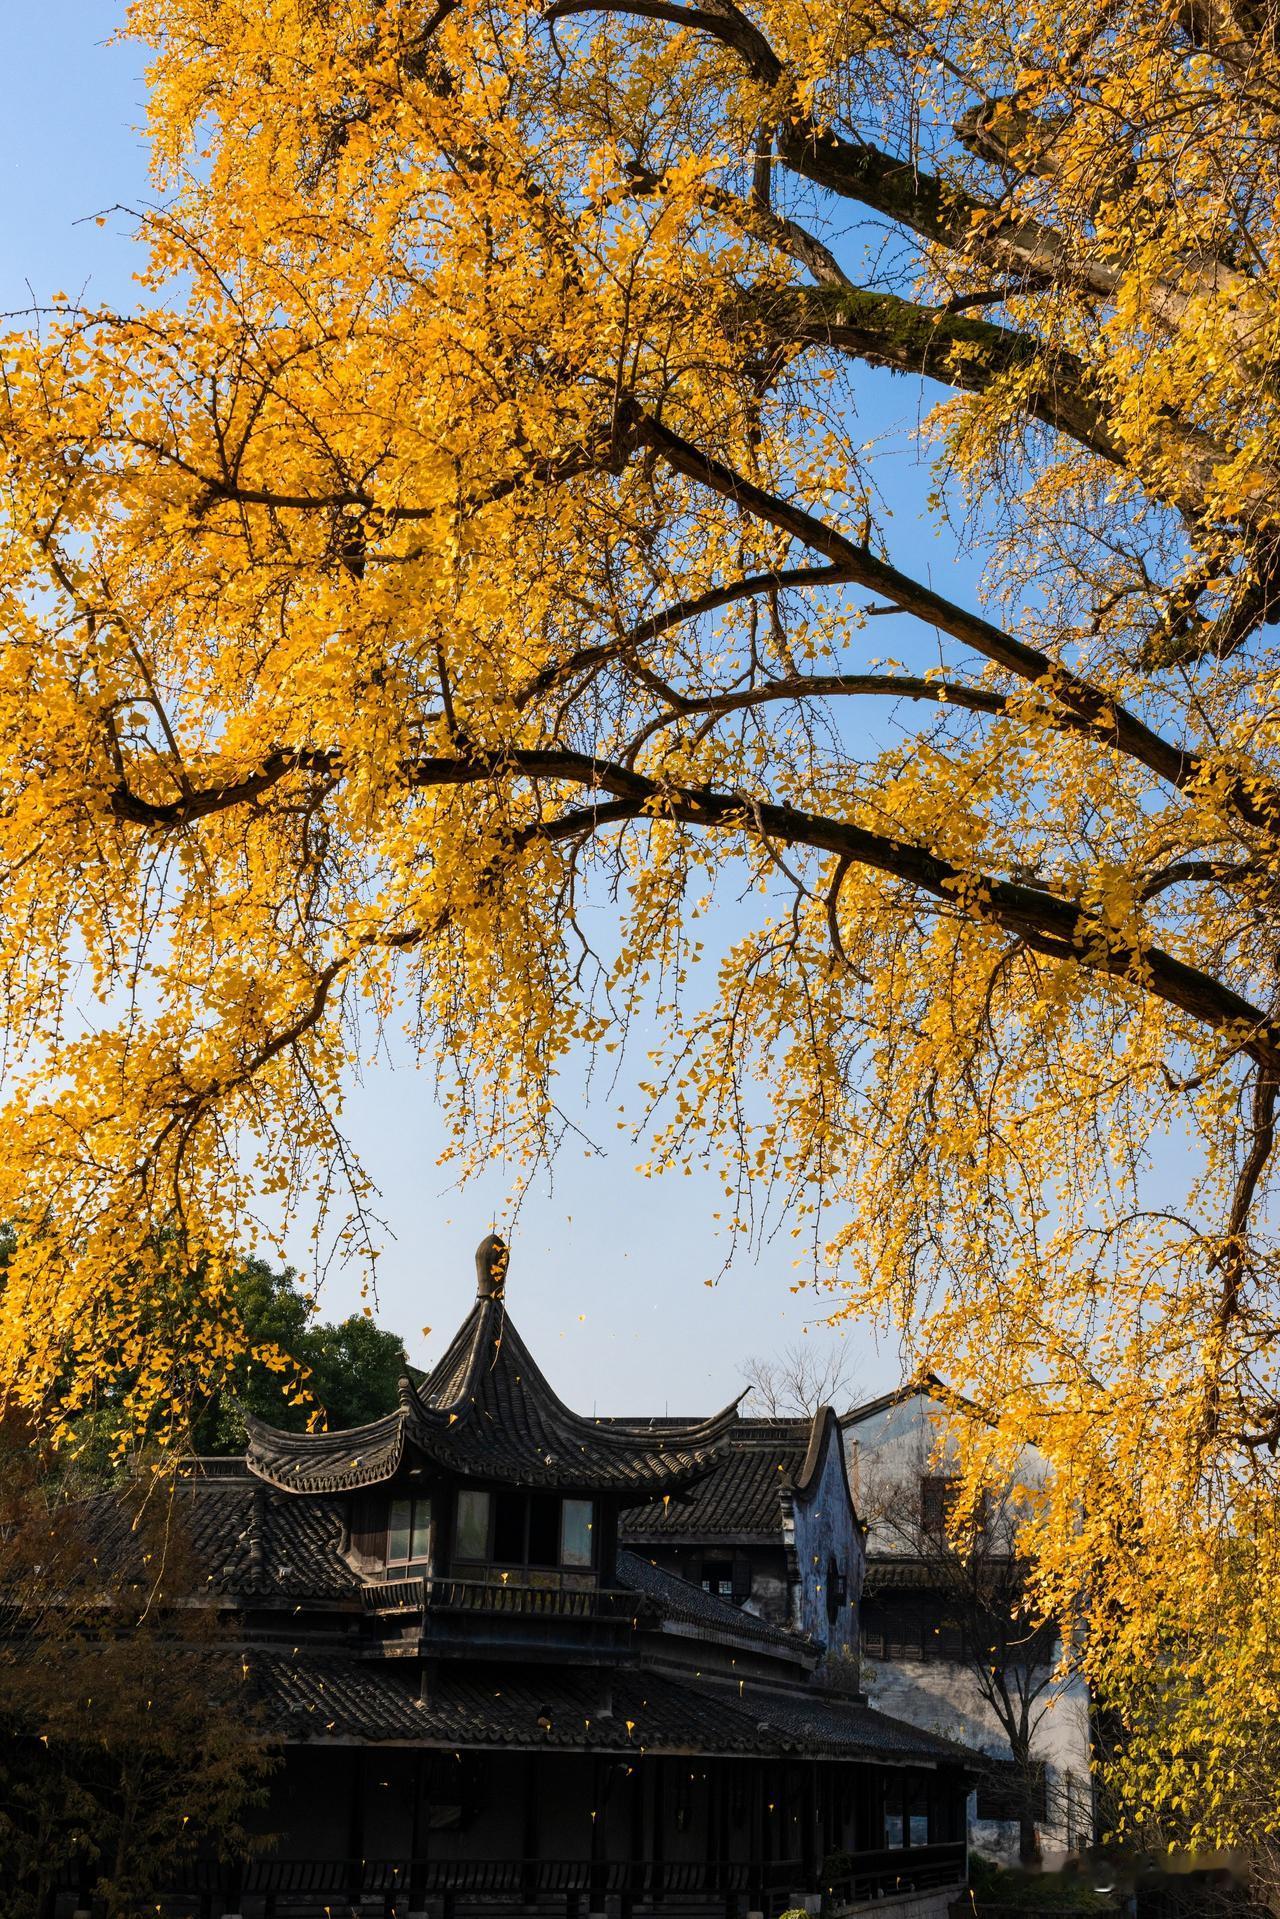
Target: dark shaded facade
pixel 771 1526
pixel 496 1692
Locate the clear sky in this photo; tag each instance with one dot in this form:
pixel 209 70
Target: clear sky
pixel 610 1272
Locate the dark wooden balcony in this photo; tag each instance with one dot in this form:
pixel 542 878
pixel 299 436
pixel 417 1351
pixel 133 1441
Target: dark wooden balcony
pixel 498 1596
pixel 444 1614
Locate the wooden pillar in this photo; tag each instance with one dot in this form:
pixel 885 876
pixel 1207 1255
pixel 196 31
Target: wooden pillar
pixel 355 1829
pixel 720 1827
pixel 233 1894
pixel 84 1887
pixel 709 1826
pixel 809 1826
pixel 418 1840
pixel 601 1778
pixel 529 1846
pixel 728 1785
pixel 720 1837
pixel 873 1802
pixel 657 1850
pixel 756 1788
pixel 635 1840
pixel 607 1542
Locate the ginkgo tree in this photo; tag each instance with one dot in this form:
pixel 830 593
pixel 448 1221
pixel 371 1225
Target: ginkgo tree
pixel 473 519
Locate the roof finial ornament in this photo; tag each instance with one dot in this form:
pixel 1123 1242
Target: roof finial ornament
pixel 491 1267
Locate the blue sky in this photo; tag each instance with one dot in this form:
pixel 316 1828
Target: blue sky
pixel 610 1272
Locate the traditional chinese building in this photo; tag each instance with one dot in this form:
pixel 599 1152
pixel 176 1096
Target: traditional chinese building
pixel 498 1692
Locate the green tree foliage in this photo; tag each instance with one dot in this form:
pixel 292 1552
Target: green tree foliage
pixel 343 1373
pixel 292 1370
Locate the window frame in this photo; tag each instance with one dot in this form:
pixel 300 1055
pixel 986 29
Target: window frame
pixel 576 1565
pixel 485 1556
pixel 526 1565
pixel 938 1495
pixel 413 1563
pixel 717 1578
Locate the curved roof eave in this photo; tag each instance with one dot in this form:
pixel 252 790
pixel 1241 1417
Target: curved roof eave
pixel 327 1462
pixel 487 1411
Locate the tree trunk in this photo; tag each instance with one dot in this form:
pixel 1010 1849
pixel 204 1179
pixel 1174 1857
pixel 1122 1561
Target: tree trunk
pixel 118 1903
pixel 1028 1838
pixel 1028 1831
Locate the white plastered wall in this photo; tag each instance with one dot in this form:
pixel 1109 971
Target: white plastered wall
pixel 887 1453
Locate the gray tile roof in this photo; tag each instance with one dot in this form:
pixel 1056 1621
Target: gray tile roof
pixel 313 1696
pixel 242 1541
pixel 343 1699
pixel 679 1599
pixel 823 1721
pixel 740 1497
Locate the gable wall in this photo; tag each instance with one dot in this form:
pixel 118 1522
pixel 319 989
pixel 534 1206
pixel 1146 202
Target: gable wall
pixel 824 1527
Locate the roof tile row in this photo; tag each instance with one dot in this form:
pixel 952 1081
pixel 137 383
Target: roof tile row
pixel 633 1711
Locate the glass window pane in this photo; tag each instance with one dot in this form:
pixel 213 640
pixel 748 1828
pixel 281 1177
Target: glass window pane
pixel 895 1824
pixel 472 1541
pixel 508 1529
pixel 398 1530
pixel 577 1518
pixel 421 1546
pixel 544 1529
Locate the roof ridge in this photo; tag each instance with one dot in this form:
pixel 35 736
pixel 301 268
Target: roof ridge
pixel 925 1386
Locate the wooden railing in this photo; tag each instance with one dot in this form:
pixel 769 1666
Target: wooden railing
pixel 494 1596
pixel 300 1888
pixel 896 1871
pixel 497 1876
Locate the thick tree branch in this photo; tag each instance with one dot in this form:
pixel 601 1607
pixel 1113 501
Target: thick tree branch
pixel 972 356
pixel 803 686
pixel 1057 927
pixel 1262 1139
pixel 1104 716
pixel 1196 873
pixel 726 24
pixel 856 169
pixel 952 348
pixel 1075 701
pixel 942 212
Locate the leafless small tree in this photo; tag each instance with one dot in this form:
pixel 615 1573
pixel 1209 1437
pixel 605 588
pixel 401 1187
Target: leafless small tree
pixel 793 1383
pixel 975 1566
